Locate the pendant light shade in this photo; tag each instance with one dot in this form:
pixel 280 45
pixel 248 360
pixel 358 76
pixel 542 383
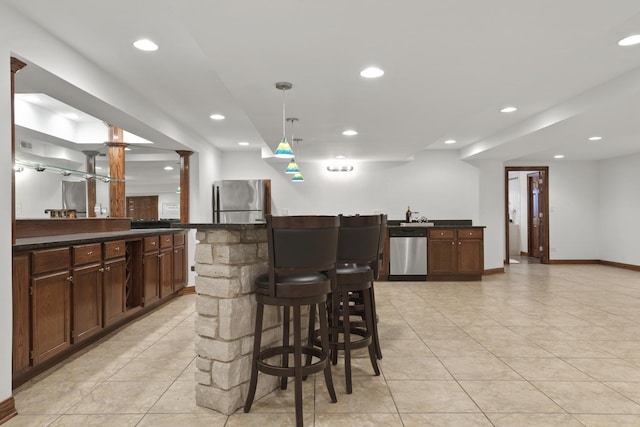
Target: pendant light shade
pixel 292 167
pixel 297 177
pixel 283 151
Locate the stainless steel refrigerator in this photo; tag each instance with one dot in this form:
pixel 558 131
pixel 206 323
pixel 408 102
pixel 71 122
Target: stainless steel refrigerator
pixel 239 202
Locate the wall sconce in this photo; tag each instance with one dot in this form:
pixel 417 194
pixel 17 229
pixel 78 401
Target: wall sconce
pixel 40 168
pixel 340 168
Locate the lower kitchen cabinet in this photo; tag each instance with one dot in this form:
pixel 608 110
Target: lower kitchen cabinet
pixel 455 254
pixel 68 296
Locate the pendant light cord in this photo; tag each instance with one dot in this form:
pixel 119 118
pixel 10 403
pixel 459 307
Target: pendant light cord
pixel 284 135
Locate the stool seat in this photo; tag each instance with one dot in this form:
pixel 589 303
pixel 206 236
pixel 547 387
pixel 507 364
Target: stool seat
pixel 296 285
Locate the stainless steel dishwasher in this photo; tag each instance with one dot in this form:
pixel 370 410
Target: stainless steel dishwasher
pixel 407 253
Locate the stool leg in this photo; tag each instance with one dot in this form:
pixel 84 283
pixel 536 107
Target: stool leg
pixel 285 342
pixel 346 324
pixel 253 382
pixel 374 332
pixel 297 363
pixel 324 337
pixel 312 327
pixel 369 315
pixel 334 325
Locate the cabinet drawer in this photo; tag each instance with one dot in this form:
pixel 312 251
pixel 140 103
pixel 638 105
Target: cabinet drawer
pixel 470 233
pixel 114 249
pixel 441 234
pixel 86 254
pixel 50 260
pixel 151 243
pixel 178 239
pixel 166 240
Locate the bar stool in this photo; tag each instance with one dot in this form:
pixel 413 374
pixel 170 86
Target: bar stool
pixel 302 271
pixel 359 300
pixel 358 244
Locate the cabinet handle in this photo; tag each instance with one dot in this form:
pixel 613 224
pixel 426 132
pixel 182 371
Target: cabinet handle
pixel 117 248
pixel 175 252
pixel 470 233
pixel 101 270
pixel 453 243
pixel 70 278
pixel 108 268
pixel 441 233
pixel 90 253
pixel 153 243
pixel 459 243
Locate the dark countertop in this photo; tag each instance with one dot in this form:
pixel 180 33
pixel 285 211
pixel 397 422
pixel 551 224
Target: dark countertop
pixel 31 243
pixel 212 226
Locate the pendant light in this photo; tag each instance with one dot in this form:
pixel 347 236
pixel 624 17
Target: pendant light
pixel 292 167
pixel 284 150
pixel 297 177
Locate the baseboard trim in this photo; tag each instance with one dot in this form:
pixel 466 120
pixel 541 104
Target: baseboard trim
pixel 7 410
pixel 187 290
pixel 524 253
pixel 620 265
pixel 573 261
pixel 493 271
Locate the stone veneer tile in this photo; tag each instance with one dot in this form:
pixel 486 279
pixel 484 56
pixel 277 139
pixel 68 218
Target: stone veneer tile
pixel 236 317
pixel 204 253
pixel 223 236
pixel 206 305
pixel 217 350
pixel 207 326
pixel 218 287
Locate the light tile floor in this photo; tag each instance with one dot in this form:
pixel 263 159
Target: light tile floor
pixel 540 345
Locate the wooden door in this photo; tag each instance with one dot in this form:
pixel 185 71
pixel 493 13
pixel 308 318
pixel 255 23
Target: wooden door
pixel 442 256
pixel 179 268
pixel 50 311
pixel 21 314
pixel 150 277
pixel 142 208
pixel 165 272
pixel 534 217
pixel 87 301
pixel 113 284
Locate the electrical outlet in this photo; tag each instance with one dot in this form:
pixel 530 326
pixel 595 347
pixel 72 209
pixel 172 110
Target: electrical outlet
pixel 193 268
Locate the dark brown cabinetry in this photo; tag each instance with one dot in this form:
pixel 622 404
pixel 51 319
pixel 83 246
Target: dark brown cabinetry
pixel 67 296
pixel 455 254
pixel 165 265
pixel 50 303
pixel 114 282
pixel 86 291
pixel 179 262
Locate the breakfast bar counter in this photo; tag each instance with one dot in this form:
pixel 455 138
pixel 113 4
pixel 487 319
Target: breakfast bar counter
pixel 228 258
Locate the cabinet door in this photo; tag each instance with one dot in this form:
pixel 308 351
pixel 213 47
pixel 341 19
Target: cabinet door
pixel 442 256
pixel 179 268
pixel 113 285
pixel 50 311
pixel 150 277
pixel 21 314
pixel 87 301
pixel 166 272
pixel 470 259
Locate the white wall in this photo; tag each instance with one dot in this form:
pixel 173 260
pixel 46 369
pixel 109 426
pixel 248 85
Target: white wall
pixel 619 209
pixel 573 210
pixel 6 315
pixel 491 208
pixel 436 184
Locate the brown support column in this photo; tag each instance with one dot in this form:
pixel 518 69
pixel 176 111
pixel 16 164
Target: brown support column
pixel 91 182
pixel 115 155
pixel 184 185
pixel 16 65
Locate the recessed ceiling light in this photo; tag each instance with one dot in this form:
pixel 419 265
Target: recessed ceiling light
pixel 98 168
pixel 595 138
pixel 349 132
pixel 558 156
pixel 168 168
pixel 127 149
pixel 243 143
pixel 146 45
pixel 508 110
pixel 372 72
pixel 450 141
pixel 217 116
pixel 341 157
pixel 72 116
pixel 630 40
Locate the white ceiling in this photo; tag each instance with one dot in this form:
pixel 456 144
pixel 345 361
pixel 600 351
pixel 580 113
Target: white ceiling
pixel 450 66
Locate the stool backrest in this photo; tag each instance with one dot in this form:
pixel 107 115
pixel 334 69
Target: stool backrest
pixel 301 244
pixel 358 241
pixel 376 265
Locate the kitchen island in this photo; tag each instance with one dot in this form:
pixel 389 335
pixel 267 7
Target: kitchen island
pixel 228 258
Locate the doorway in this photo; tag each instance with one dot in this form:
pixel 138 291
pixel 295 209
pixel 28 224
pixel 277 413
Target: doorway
pixel 527 213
